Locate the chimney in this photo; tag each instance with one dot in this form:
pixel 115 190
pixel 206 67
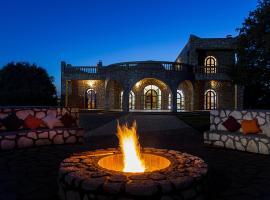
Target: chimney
pixel 99 64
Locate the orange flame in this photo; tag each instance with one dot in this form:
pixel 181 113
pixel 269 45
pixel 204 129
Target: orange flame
pixel 130 147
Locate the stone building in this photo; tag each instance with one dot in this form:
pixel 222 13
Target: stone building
pixel 197 80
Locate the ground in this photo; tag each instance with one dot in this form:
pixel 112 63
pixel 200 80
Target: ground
pixel 32 173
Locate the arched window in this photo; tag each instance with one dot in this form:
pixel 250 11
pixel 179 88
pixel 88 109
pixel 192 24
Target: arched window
pixel 180 100
pixel 169 101
pixel 91 99
pixel 152 97
pixel 210 100
pixel 131 100
pixel 210 64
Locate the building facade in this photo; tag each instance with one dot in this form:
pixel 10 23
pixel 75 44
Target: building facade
pixel 197 80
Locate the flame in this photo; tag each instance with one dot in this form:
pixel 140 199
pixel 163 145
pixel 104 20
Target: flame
pixel 130 147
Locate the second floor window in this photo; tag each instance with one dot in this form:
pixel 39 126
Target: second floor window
pixel 210 64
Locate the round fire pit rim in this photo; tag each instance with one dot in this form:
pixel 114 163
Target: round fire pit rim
pixel 98 181
pixel 168 157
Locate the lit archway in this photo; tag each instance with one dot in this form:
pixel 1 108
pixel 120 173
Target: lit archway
pixel 185 92
pixel 210 100
pixel 131 101
pixel 152 97
pixel 91 99
pixel 152 94
pixel 180 100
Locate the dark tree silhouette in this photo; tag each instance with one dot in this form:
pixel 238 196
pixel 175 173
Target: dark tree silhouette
pixel 253 49
pixel 26 84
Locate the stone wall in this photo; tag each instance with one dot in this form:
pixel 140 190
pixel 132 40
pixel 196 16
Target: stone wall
pixel 219 136
pixel 38 137
pixel 224 89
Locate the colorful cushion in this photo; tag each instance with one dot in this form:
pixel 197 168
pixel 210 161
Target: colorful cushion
pixel 12 122
pixel 32 122
pixel 231 124
pixel 68 120
pixel 52 121
pixel 250 126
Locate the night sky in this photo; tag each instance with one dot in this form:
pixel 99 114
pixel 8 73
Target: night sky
pixel 81 32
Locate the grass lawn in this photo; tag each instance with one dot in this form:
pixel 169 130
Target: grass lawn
pixel 198 120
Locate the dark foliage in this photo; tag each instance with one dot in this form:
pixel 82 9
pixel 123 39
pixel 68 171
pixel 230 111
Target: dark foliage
pixel 253 49
pixel 26 84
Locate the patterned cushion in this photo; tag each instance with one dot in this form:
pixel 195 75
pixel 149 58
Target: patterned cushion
pixel 250 126
pixel 51 121
pixel 12 122
pixel 231 124
pixel 68 120
pixel 32 122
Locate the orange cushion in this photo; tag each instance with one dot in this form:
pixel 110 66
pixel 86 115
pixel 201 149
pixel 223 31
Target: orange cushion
pixel 32 122
pixel 250 126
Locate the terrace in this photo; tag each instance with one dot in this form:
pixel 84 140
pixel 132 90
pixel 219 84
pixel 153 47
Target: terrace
pixel 232 174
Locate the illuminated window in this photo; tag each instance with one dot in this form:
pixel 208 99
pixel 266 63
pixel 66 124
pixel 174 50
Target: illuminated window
pixel 210 64
pixel 180 100
pixel 131 100
pixel 152 97
pixel 210 100
pixel 170 101
pixel 91 99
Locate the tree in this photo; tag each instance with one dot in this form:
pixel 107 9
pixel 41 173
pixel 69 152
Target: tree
pixel 26 84
pixel 253 50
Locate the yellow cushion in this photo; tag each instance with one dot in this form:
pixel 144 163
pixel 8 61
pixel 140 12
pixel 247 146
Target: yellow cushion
pixel 250 126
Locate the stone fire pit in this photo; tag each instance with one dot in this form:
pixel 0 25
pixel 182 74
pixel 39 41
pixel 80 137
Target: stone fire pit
pixel 96 175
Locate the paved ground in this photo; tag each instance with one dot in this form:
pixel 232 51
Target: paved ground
pixel 32 173
pixel 145 122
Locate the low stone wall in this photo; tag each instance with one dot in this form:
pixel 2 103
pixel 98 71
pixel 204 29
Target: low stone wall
pixel 220 137
pixel 250 143
pixel 32 138
pixel 38 137
pixel 39 112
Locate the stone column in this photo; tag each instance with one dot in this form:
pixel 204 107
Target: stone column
pixel 125 101
pixel 174 100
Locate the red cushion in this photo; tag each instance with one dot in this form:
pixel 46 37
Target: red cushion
pixel 32 122
pixel 231 124
pixel 68 120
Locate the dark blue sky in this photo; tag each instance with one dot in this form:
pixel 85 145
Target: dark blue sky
pixel 81 32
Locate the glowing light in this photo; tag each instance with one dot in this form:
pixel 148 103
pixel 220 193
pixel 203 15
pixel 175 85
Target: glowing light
pixel 91 83
pixel 138 84
pixel 130 147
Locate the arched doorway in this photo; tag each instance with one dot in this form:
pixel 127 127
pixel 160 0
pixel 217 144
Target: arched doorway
pixel 91 99
pixel 210 100
pixel 131 100
pixel 152 97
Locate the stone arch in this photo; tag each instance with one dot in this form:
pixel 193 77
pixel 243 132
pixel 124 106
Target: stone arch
pixel 113 94
pixel 187 90
pixel 151 84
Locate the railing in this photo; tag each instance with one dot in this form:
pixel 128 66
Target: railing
pixel 152 65
pixel 211 70
pixel 170 66
pixel 89 70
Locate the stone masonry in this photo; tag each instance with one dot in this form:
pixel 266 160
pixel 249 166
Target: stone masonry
pixel 219 136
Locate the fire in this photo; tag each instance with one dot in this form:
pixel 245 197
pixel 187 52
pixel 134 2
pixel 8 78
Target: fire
pixel 130 147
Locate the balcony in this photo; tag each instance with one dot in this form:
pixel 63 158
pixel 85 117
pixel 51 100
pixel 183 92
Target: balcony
pixel 210 73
